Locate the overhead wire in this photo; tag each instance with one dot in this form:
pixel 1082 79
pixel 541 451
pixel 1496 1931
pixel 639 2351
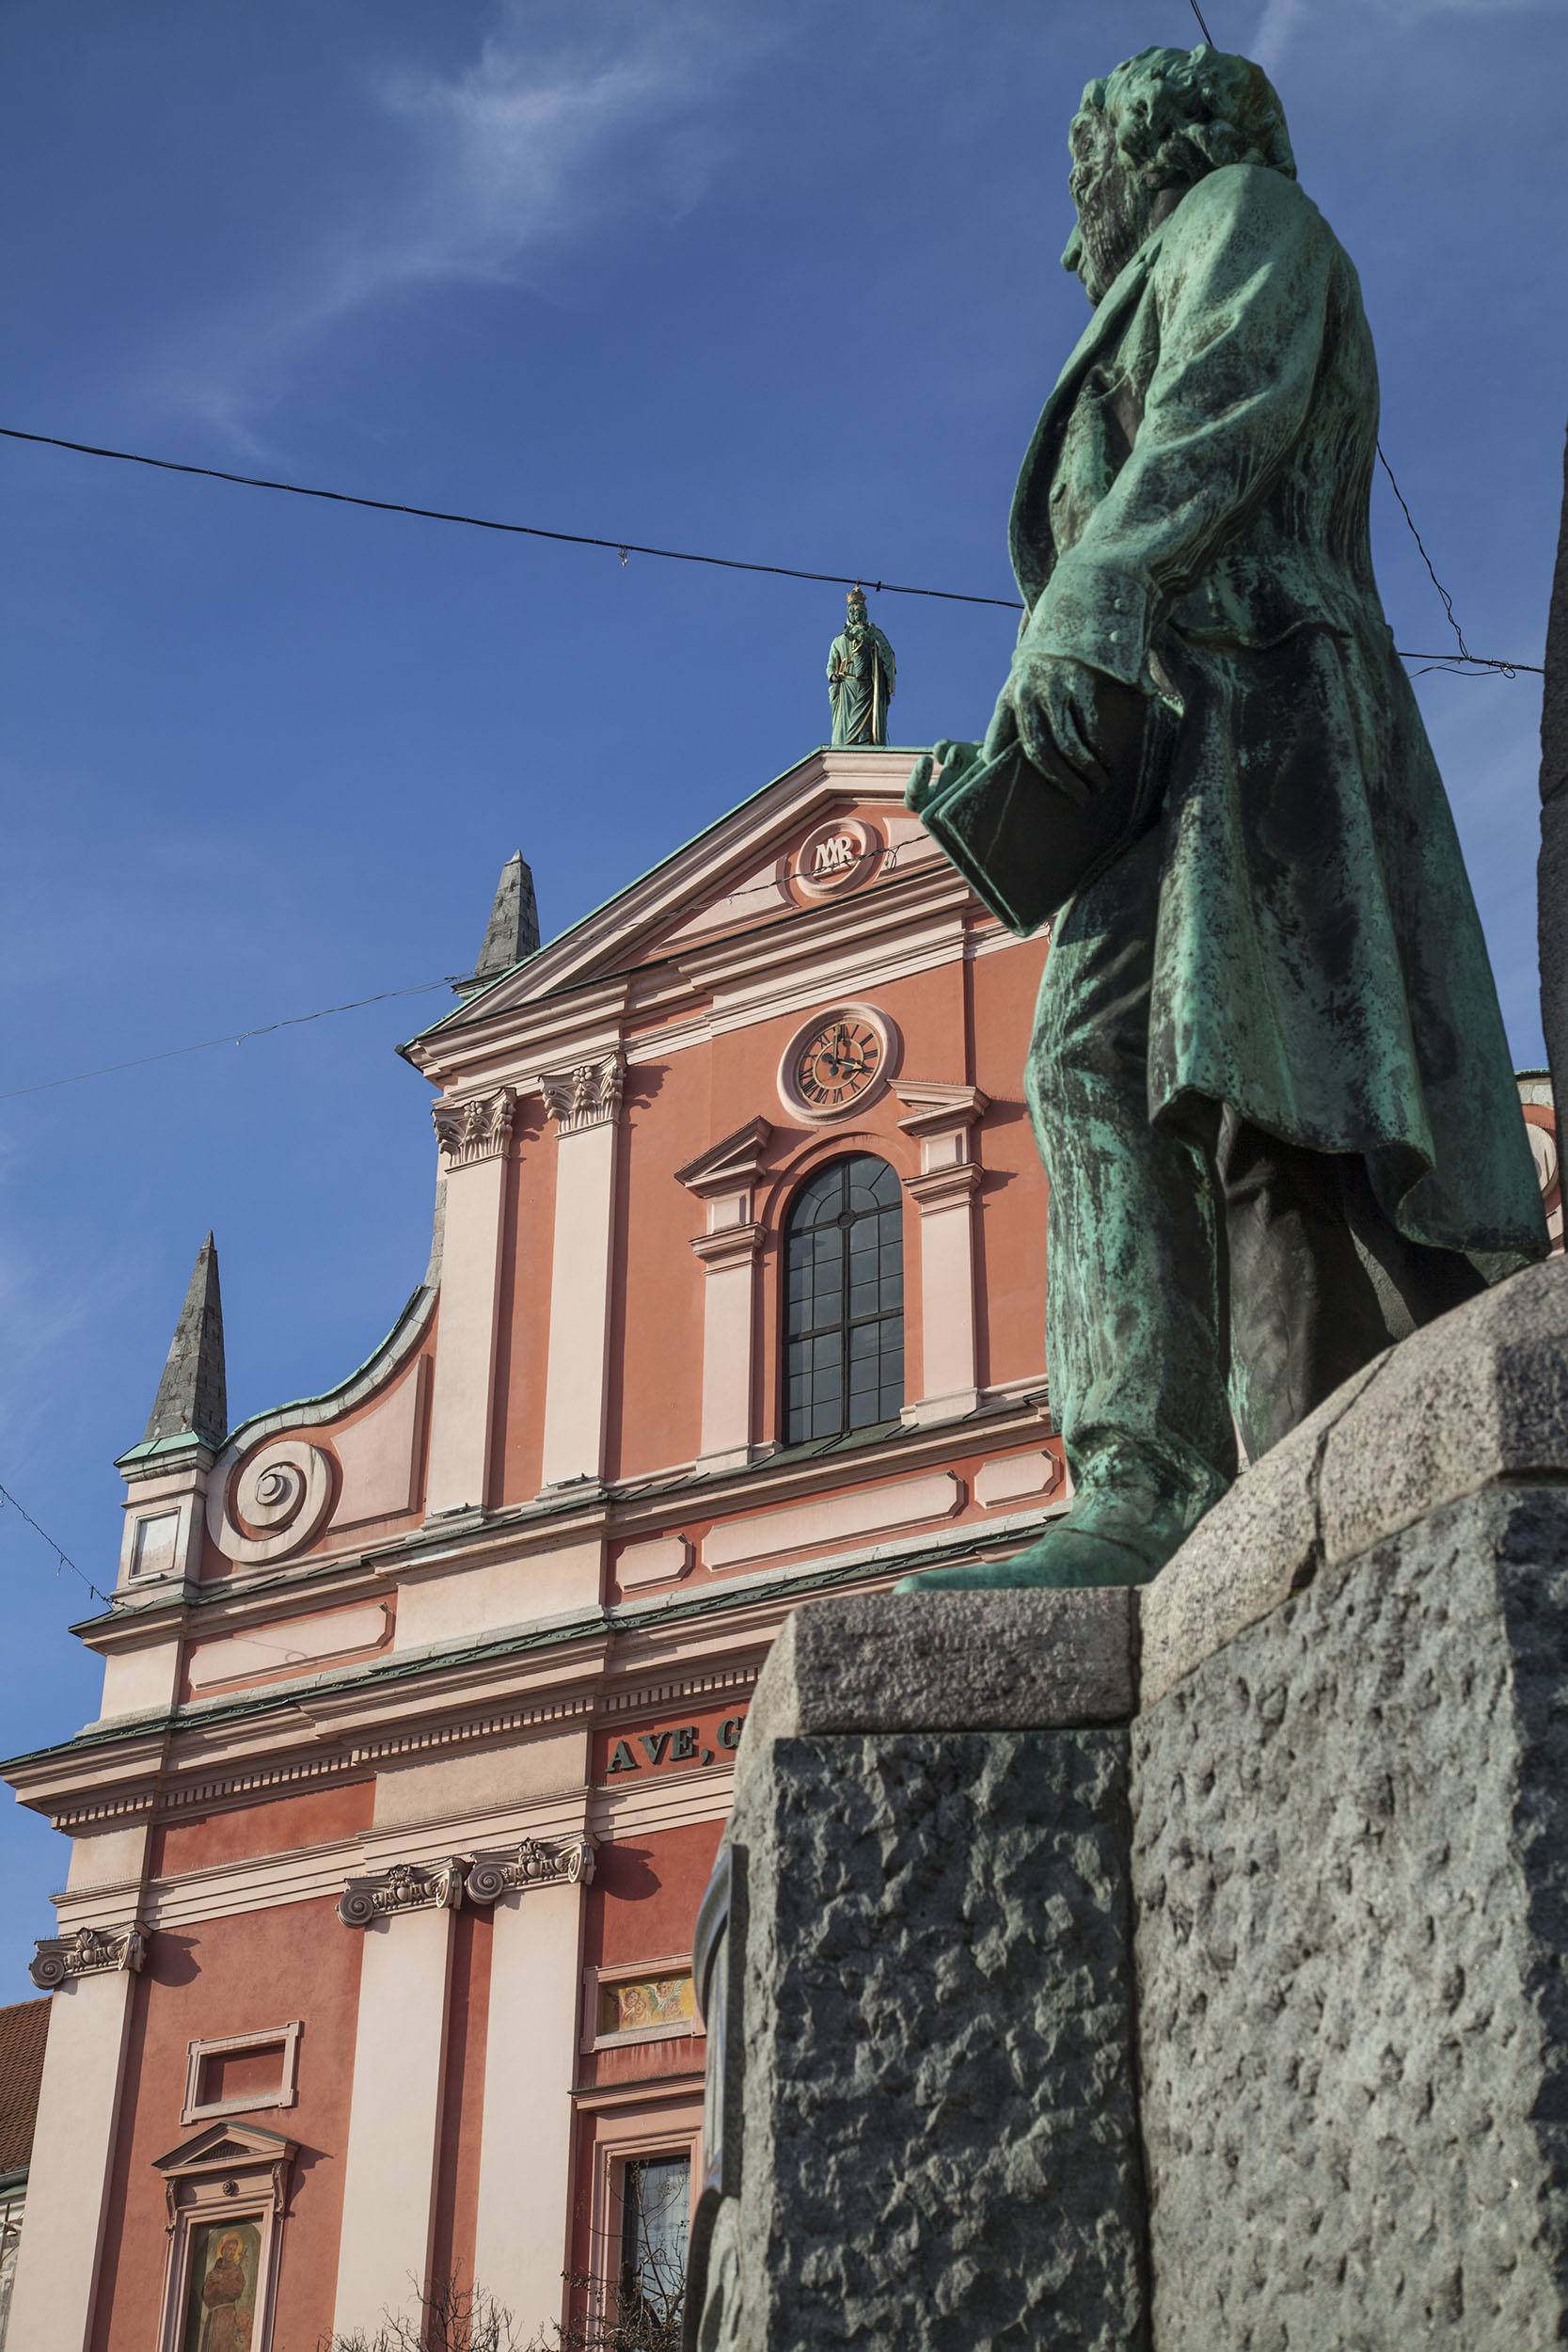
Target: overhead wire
pixel 888 857
pixel 233 1037
pixel 62 1556
pixel 626 547
pixel 623 548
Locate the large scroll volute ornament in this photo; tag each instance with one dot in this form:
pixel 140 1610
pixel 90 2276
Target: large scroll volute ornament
pixel 272 1503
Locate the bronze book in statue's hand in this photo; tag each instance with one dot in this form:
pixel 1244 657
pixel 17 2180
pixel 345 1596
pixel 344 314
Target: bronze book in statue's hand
pixel 1027 838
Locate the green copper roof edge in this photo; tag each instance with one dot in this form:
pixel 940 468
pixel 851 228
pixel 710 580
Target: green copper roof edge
pixel 625 1618
pixel 911 751
pixel 186 1442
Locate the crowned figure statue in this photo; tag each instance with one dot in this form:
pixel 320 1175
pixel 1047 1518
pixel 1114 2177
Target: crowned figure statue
pixel 860 677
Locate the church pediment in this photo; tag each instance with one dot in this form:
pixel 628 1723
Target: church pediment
pixel 225 2147
pixel 826 829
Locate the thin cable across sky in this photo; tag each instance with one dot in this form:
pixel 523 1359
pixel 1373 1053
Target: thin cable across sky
pixel 1492 664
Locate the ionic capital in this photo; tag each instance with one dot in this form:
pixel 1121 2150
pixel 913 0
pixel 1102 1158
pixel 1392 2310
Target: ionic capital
pixel 89 1952
pixel 406 1886
pixel 564 1862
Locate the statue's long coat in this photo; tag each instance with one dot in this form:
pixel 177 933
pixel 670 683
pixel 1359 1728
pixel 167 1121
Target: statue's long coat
pixel 1193 514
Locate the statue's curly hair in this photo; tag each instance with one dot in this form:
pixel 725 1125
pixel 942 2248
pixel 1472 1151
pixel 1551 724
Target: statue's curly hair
pixel 1177 114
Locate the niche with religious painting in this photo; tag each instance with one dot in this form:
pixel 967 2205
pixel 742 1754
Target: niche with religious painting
pixel 226 2190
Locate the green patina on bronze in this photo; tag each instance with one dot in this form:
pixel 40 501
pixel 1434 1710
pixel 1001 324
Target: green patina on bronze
pixel 860 677
pixel 1269 1075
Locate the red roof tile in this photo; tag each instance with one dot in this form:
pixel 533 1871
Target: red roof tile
pixel 22 2029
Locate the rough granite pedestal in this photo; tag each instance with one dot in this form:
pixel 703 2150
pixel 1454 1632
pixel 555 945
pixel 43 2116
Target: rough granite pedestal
pixel 1190 1976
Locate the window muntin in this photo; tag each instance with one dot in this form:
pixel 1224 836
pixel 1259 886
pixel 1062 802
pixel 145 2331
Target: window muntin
pixel 844 1302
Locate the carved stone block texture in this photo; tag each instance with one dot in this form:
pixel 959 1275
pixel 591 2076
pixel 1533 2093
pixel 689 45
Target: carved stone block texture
pixel 939 2136
pixel 1352 1879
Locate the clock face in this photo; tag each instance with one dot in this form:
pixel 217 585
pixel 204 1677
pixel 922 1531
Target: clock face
pixel 836 1063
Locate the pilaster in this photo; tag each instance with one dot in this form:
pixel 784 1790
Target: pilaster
pixel 92 1976
pixel 473 1134
pixel 725 1179
pixel 394 2126
pixel 941 1120
pixel 521 2222
pixel 584 1103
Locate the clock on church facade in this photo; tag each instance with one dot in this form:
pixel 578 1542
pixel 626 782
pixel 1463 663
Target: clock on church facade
pixel 840 1060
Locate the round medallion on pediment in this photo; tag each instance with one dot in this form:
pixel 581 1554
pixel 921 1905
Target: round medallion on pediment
pixel 836 855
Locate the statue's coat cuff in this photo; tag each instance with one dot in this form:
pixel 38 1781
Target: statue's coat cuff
pixel 1093 613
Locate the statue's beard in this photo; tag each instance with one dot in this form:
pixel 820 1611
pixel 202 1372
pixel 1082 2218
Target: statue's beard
pixel 1110 232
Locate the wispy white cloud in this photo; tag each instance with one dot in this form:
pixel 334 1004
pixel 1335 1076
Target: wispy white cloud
pixel 562 121
pixel 1282 20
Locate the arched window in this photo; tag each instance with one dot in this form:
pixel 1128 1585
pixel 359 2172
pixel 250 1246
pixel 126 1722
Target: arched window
pixel 844 1302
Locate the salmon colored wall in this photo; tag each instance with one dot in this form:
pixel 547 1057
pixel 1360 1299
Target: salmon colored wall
pixel 316 1818
pixel 642 1904
pixel 657 1335
pixel 227 1976
pixel 676 1108
pixel 644 2062
pixel 462 2101
pixel 523 1334
pixel 1011 1285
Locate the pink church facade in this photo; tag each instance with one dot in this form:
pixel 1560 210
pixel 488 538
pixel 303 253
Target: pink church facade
pixel 421 1697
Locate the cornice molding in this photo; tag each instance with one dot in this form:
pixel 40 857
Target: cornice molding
pixel 938 1187
pixel 478 1127
pixel 939 1107
pixel 59 1960
pixel 236 1750
pixel 732 1244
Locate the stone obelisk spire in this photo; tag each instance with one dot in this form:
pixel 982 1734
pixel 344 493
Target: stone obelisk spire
pixel 193 1394
pixel 512 930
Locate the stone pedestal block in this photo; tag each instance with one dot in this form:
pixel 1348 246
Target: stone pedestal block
pixel 924 2029
pixel 1349 1790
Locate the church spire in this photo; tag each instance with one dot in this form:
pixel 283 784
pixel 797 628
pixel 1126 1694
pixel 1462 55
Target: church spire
pixel 193 1396
pixel 512 930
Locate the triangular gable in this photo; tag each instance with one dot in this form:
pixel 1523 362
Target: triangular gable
pixel 222 2144
pixel 731 875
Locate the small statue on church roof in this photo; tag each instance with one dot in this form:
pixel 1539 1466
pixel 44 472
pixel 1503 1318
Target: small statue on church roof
pixel 860 677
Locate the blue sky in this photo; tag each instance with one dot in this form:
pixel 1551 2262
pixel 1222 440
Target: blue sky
pixel 777 281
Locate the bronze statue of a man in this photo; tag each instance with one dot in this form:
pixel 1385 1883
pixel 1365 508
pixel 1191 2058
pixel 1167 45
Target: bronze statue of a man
pixel 1268 1077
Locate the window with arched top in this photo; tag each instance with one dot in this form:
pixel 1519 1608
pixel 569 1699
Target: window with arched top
pixel 844 1302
